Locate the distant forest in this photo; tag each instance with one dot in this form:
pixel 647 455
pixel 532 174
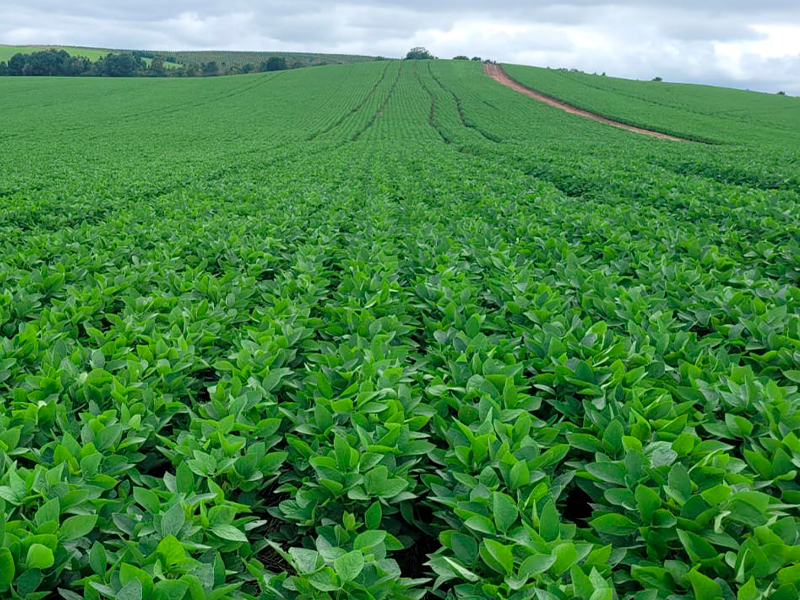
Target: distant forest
pixel 59 63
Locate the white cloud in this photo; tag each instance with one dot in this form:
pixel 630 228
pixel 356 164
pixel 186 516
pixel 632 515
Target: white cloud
pixel 729 42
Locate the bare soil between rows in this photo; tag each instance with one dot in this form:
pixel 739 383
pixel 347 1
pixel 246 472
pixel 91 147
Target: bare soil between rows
pixel 497 73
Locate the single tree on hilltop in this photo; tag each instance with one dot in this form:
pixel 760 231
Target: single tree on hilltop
pixel 418 53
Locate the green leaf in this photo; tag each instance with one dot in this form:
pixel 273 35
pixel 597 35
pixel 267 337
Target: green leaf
pixel 11 495
pixel 464 546
pixel 749 591
pixel 504 511
pixel 325 580
pixel 184 479
pixel 538 563
pixel 648 502
pixel 77 526
pixel 389 488
pixel 342 452
pixel 789 575
pixel 348 566
pixel 373 516
pixel 566 554
pixel 704 587
pixel 97 360
pixel 460 570
pixel 98 559
pixel 603 594
pixel 274 377
pixel 369 539
pixel 6 569
pixel 608 472
pixel 583 586
pixel 549 522
pixel 717 494
pixel 520 475
pixel 680 486
pixel 653 577
pixel 39 557
pixel 480 523
pixel 172 520
pixel 128 573
pixel 170 589
pixel 306 561
pixel 49 511
pixel 147 499
pixel 130 591
pixel 171 551
pixel 696 547
pixel 792 375
pixel 497 556
pixel 229 532
pixel 613 524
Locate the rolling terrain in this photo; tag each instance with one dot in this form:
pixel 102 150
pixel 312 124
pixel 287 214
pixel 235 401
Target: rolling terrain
pixel 6 52
pixel 185 57
pixel 393 330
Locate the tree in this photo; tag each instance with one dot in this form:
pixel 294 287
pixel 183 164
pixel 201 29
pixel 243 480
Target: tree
pixel 119 65
pixel 248 68
pixel 77 65
pixel 4 69
pixel 781 93
pixel 276 63
pixel 656 79
pixel 210 68
pixel 16 63
pixel 477 58
pixel 418 53
pixel 192 70
pixel 50 62
pixel 461 57
pixel 157 68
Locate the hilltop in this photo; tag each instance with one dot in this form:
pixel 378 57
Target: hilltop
pixel 185 57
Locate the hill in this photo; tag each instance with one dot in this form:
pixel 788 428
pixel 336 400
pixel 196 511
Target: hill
pixel 255 58
pixel 394 330
pixel 684 109
pixel 179 58
pixel 6 52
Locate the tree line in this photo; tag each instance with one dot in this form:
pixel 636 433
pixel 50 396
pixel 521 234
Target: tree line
pixel 59 63
pixel 421 53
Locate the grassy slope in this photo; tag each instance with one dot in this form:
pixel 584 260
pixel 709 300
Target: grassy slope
pixel 256 58
pixel 229 58
pixel 686 109
pixel 418 229
pixel 93 54
pixel 6 52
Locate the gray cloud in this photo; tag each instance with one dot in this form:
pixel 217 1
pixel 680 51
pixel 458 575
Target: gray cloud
pixel 727 42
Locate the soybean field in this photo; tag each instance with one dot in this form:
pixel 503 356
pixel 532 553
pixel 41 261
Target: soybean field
pixel 392 330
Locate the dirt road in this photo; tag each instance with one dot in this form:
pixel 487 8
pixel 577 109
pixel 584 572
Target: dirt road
pixel 497 73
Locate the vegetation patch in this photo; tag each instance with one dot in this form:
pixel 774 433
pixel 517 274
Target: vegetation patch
pixel 393 331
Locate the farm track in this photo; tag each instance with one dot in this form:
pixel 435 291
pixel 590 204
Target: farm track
pixel 432 115
pixel 460 109
pixel 497 73
pixel 353 110
pixel 381 108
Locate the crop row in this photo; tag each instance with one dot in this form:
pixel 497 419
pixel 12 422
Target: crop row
pixel 484 350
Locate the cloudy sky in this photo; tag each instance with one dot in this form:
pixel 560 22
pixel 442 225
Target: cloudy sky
pixel 741 43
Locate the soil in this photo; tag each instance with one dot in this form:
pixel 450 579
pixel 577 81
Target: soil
pixel 497 73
